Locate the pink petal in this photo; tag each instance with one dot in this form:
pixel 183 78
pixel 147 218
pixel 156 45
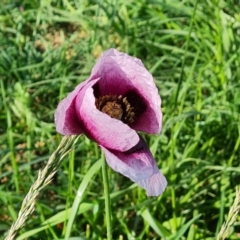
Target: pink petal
pixel 66 120
pixel 119 73
pixel 106 131
pixel 154 185
pixel 139 166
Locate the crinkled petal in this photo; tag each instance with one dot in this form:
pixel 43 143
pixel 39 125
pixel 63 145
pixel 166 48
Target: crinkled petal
pixel 120 73
pixel 138 165
pixel 66 119
pixel 106 131
pixel 154 185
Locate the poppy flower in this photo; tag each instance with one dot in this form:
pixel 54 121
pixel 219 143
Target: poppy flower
pixel 117 100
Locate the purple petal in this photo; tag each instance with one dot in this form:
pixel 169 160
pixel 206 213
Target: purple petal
pixel 106 131
pixel 120 73
pixel 66 119
pixel 139 166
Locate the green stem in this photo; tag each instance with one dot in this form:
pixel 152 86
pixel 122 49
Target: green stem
pixel 107 198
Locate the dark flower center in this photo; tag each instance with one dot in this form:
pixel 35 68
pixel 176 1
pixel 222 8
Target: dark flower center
pixel 127 108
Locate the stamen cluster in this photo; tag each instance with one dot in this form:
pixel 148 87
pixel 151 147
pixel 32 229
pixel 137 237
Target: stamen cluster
pixel 126 108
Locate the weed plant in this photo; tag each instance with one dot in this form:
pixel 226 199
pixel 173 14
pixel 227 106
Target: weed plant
pixel 191 47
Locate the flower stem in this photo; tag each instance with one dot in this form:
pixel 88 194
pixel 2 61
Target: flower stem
pixel 107 198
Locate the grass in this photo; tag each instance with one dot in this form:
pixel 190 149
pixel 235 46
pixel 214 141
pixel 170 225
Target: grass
pixel 192 50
